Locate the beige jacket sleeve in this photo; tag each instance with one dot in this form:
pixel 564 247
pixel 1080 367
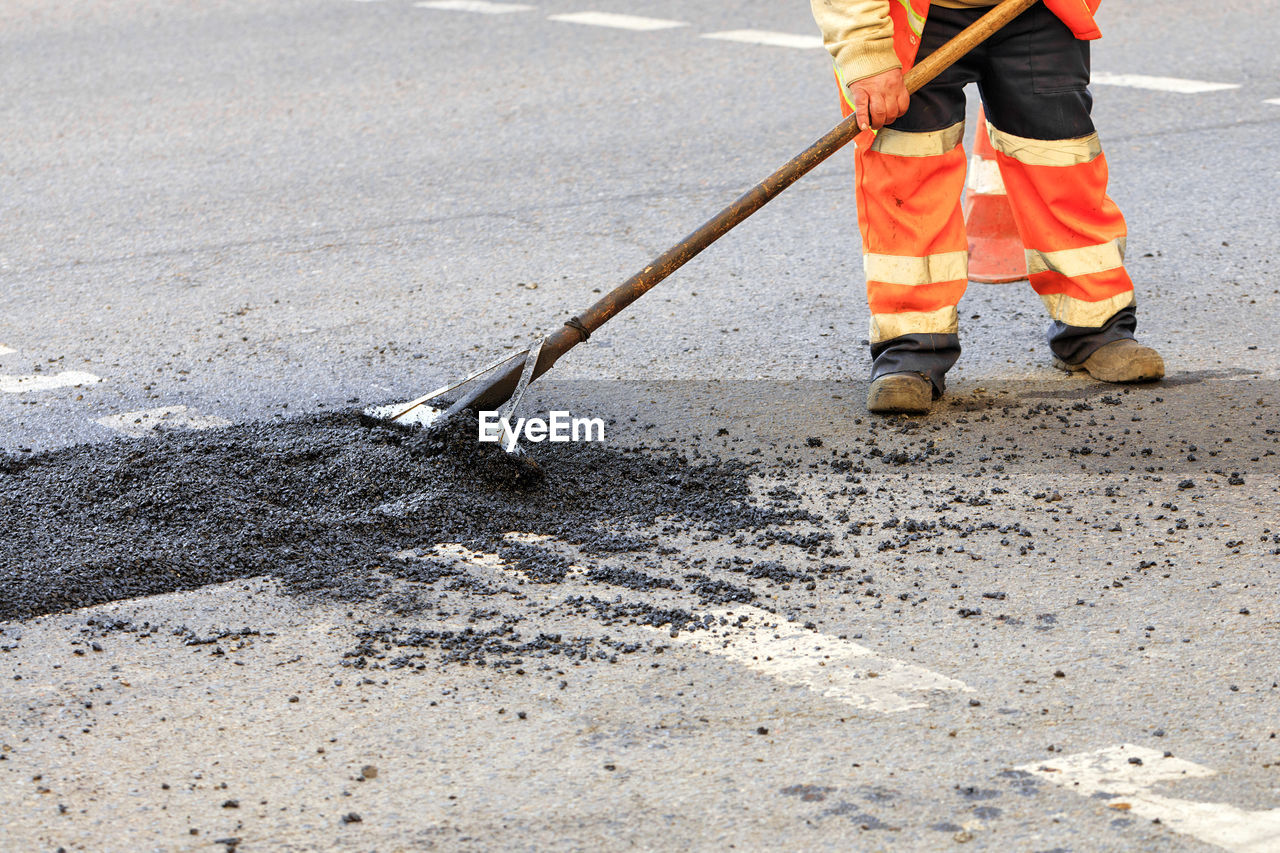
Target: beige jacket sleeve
pixel 859 35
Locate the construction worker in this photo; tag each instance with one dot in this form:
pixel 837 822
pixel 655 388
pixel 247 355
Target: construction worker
pixel 910 168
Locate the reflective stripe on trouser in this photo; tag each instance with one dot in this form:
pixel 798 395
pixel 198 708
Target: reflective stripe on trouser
pixel 1073 232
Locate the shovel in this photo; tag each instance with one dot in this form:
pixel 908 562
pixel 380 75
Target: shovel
pixel 510 376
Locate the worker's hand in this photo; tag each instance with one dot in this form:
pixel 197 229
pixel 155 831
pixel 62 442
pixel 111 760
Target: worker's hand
pixel 879 100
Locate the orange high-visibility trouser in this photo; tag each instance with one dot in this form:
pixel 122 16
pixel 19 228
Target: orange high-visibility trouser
pixel 915 252
pixel 909 178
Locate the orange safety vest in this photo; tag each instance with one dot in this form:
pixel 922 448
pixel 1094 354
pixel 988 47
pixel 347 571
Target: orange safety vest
pixel 908 18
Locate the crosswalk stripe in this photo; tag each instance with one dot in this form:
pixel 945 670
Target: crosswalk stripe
pixel 27 384
pixel 146 421
pixel 621 22
pixel 758 641
pixel 837 669
pixel 1160 84
pixel 1125 777
pixel 481 7
pixel 770 39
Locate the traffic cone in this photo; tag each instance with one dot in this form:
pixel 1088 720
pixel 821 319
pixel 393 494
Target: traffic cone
pixel 995 249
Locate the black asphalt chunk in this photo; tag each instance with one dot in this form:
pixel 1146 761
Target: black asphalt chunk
pixel 322 501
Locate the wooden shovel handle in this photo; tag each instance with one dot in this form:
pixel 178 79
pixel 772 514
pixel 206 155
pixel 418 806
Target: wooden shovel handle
pixel 969 38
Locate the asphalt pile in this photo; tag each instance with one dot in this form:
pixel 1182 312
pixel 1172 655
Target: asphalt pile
pixel 321 501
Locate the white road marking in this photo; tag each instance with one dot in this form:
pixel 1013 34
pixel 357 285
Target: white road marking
pixel 463 554
pixel 479 6
pixel 984 177
pixel 1160 84
pixel 527 538
pixel 1113 771
pixel 835 668
pixel 423 416
pixel 25 384
pixel 144 422
pixel 4 350
pixel 1275 101
pixel 621 22
pixel 767 38
pixel 838 669
pixel 483 559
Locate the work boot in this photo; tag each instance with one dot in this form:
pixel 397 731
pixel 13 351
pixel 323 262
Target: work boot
pixel 900 393
pixel 1120 361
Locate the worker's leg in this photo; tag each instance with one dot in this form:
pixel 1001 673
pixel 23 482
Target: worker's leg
pixel 1034 87
pixel 909 180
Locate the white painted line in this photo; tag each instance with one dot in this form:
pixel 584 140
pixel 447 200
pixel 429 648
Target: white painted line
pixel 423 415
pixel 838 669
pixel 984 177
pixel 1129 773
pixel 1160 84
pixel 144 422
pixel 834 668
pixel 1275 101
pixel 479 6
pixel 527 538
pixel 767 38
pixel 464 554
pixel 621 22
pixel 4 350
pixel 1109 770
pixel 25 384
pixel 483 559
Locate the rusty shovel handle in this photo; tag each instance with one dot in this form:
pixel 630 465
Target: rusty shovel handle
pixel 496 391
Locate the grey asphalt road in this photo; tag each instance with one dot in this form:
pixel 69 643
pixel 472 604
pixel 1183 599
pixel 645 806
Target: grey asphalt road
pixel 244 211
